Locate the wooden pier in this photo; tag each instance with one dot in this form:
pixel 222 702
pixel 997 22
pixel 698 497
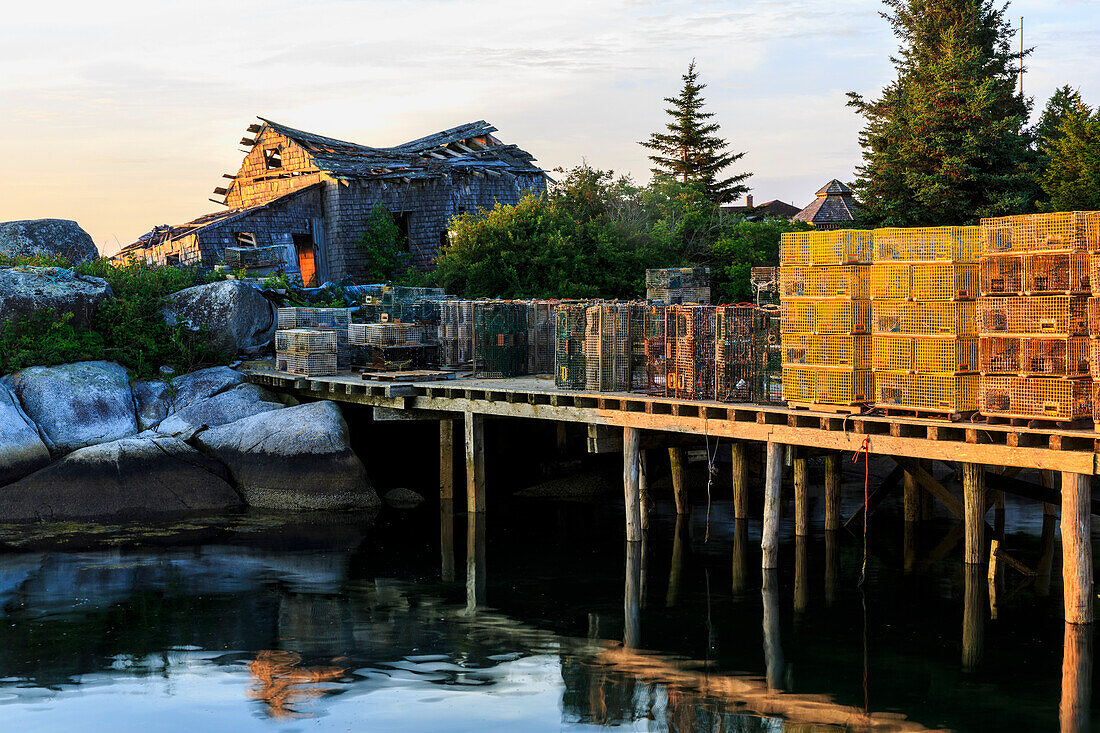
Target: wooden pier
pixel 978 448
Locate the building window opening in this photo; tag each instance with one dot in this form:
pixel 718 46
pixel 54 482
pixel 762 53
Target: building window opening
pixel 272 159
pixel 246 239
pixel 401 219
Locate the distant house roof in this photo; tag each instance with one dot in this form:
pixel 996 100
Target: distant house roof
pixel 469 147
pixel 834 205
pixel 775 208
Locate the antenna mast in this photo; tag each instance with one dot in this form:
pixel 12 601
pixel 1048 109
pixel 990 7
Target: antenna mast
pixel 1021 74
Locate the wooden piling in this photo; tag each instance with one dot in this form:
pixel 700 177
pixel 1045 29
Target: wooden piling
pixel 773 648
pixel 801 496
pixel 973 617
pixel 740 555
pixel 644 503
pixel 832 492
pixel 973 479
pixel 631 478
pixel 475 462
pixel 632 596
pixel 676 461
pixel 1077 582
pixel 832 566
pixel 911 498
pixel 740 472
pixel 677 566
pixel 773 479
pixel 446 460
pixel 1044 567
pixel 447 542
pixel 801 575
pixel 475 561
pixel 1073 710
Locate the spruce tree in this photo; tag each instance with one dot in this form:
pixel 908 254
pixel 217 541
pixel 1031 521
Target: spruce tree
pixel 1071 163
pixel 1065 101
pixel 946 143
pixel 691 151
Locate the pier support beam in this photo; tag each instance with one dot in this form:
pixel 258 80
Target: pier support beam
pixel 801 496
pixel 446 460
pixel 832 491
pixel 475 462
pixel 911 494
pixel 676 460
pixel 632 471
pixel 973 480
pixel 740 470
pixel 1073 711
pixel 773 479
pixel 1077 548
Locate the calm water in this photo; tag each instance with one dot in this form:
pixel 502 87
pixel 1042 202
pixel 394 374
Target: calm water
pixel 518 622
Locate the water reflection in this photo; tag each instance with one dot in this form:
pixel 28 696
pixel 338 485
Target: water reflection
pixel 282 683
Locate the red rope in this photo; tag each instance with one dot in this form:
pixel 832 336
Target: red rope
pixel 865 449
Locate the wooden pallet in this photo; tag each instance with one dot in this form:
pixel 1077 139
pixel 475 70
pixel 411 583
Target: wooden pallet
pixel 413 375
pixel 1037 421
pixel 852 409
pixel 925 413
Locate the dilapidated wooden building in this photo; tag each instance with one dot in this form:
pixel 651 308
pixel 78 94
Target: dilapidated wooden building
pixel 300 201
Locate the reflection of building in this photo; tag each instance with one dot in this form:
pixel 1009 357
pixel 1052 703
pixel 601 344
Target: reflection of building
pixel 301 201
pixel 834 208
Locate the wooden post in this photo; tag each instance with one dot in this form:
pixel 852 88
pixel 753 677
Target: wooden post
pixel 563 441
pixel 832 566
pixel 1073 711
pixel 973 479
pixel 973 621
pixel 1046 555
pixel 801 497
pixel 447 542
pixel 631 477
pixel 832 492
pixel 911 498
pixel 926 498
pixel 446 460
pixel 475 462
pixel 740 471
pixel 475 561
pixel 801 573
pixel 679 490
pixel 1077 548
pixel 909 546
pixel 999 514
pixel 677 561
pixel 773 478
pixel 740 555
pixel 644 503
pixel 773 649
pixel 632 596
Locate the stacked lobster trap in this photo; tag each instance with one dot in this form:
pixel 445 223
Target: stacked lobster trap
pixel 455 332
pixel 540 337
pixel 608 353
pixel 678 285
pixel 570 320
pixel 500 339
pixel 826 317
pixel 297 353
pixel 1033 316
pixel 392 346
pixel 741 353
pixel 924 349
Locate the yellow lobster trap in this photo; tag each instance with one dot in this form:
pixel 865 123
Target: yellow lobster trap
pixel 836 247
pixel 918 354
pixel 1065 315
pixel 825 316
pixel 1059 231
pixel 925 318
pixel 827 385
pixel 853 352
pixel 1001 274
pixel 950 244
pixel 934 392
pixel 1035 398
pixel 1048 356
pixel 837 281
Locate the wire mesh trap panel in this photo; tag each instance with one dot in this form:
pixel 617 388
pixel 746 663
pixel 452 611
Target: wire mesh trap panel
pixel 1065 315
pixel 647 344
pixel 569 324
pixel 678 285
pixel 500 339
pixel 924 281
pixel 689 351
pixel 1037 398
pixel 837 247
pixel 931 318
pixel 741 351
pixel 1001 274
pixel 826 316
pixel 932 391
pixel 949 354
pixel 945 244
pixel 839 351
pixel 1035 273
pixel 768 387
pixel 1059 231
pixel 248 257
pixel 1053 356
pixel 607 347
pixel 386 334
pixel 306 365
pixel 306 341
pixel 1094 359
pixel 455 332
pixel 827 385
pixel 838 281
pixel 540 337
pixel 289 318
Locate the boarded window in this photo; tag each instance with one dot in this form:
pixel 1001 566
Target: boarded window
pixel 272 158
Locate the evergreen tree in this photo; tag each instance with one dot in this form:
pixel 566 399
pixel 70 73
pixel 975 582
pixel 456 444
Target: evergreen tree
pixel 1071 174
pixel 691 152
pixel 1062 103
pixel 946 142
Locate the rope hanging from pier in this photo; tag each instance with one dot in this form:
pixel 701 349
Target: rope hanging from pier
pixel 865 449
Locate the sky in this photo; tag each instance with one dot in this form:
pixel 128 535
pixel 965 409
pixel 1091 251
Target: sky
pixel 124 115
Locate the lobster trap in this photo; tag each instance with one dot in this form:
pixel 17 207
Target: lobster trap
pixel 1059 231
pixel 1093 308
pixel 255 257
pixel 306 365
pixel 826 316
pixel 607 347
pixel 741 350
pixel 296 317
pixel 1065 315
pixel 689 351
pixel 827 385
pixel 678 285
pixel 931 391
pixel 1036 398
pixel 839 281
pixel 647 344
pixel 500 339
pixel 853 352
pixel 455 332
pixel 1001 274
pixel 835 247
pixel 1046 356
pixel 540 337
pixel 1057 272
pixel 919 354
pixel 924 281
pixel 387 334
pixel 569 327
pixel 768 386
pixel 306 341
pixel 945 244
